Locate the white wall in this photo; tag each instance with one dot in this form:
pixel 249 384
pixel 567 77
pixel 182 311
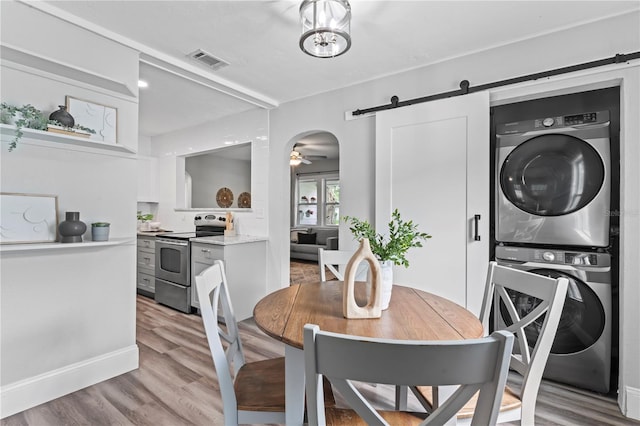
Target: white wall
pixel 67 315
pixel 325 112
pixel 209 173
pixel 250 126
pixel 144 145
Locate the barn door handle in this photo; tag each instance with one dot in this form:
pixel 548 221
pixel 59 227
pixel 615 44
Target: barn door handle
pixel 476 219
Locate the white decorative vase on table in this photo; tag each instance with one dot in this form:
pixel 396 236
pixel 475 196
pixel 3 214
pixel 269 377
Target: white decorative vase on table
pixel 386 270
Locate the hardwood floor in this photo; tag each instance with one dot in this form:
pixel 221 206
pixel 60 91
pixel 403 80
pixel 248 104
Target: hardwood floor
pixel 176 385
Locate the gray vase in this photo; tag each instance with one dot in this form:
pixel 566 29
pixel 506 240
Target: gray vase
pixel 72 228
pixel 62 116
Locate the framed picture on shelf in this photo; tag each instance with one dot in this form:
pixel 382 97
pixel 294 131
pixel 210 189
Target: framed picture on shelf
pixel 101 118
pixel 28 218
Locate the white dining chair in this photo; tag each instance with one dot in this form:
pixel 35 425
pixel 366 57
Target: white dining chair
pixel 475 364
pixel 252 392
pixel 534 328
pixel 333 259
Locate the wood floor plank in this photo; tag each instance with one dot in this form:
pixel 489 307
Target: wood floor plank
pixel 176 384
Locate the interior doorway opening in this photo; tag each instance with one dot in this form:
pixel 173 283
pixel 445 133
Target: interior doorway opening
pixel 314 201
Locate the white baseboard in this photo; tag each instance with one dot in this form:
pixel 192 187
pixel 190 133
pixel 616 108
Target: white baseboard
pixel 630 402
pixel 28 393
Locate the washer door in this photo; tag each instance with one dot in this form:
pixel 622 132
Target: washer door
pixel 582 320
pixel 552 175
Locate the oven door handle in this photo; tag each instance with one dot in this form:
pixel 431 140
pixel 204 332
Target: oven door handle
pixel 173 243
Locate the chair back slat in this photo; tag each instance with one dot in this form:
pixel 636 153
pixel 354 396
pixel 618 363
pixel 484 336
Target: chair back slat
pixel 211 286
pixel 330 259
pixel 529 357
pixel 474 364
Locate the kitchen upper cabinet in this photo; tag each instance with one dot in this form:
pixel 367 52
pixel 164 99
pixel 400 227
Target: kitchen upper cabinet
pixel 433 164
pixel 147 180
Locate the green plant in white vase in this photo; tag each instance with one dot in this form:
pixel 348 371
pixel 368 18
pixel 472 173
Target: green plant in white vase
pixel 390 248
pixel 143 221
pixel 393 247
pixel 146 217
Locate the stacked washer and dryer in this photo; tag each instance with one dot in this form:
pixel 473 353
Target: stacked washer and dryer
pixel 555 189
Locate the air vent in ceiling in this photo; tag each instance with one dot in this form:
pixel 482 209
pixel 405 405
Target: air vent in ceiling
pixel 207 59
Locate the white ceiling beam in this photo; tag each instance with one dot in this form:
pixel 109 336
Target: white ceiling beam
pixel 161 60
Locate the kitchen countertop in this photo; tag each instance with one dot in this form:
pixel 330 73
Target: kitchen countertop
pixel 152 233
pixel 225 241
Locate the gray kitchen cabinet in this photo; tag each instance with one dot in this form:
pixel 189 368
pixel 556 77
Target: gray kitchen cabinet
pixel 146 262
pixel 245 266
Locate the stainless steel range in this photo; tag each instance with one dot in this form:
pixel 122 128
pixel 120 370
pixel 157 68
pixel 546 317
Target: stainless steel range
pixel 173 261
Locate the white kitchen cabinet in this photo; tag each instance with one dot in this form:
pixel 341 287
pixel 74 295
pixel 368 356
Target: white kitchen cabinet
pixel 146 261
pixel 147 180
pixel 433 165
pixel 245 266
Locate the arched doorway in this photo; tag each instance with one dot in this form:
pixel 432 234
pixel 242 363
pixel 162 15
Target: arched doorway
pixel 314 201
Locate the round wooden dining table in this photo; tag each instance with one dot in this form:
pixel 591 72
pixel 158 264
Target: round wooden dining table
pixel 412 315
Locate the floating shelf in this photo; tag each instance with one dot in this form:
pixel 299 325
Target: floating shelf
pixel 7 248
pixel 54 67
pixel 215 209
pixel 58 140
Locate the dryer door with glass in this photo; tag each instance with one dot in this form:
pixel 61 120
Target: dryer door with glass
pixel 554 187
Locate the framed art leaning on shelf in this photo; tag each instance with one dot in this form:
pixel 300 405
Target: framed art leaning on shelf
pixel 101 118
pixel 28 218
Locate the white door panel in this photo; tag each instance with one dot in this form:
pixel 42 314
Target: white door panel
pixel 432 163
pixel 418 150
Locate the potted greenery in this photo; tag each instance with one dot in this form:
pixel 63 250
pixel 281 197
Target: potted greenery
pixel 390 249
pixel 30 117
pixel 143 221
pixel 25 116
pixel 100 231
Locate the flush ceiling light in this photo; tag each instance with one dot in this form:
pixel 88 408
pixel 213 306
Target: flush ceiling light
pixel 142 84
pixel 326 27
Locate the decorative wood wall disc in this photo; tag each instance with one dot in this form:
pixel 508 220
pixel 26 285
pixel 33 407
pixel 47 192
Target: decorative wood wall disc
pixel 244 200
pixel 224 197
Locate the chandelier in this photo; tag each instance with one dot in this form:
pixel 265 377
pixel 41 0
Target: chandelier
pixel 326 27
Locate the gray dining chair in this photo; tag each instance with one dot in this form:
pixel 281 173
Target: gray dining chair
pixel 474 364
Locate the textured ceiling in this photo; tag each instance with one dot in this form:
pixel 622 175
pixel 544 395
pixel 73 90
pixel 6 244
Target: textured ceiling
pixel 259 39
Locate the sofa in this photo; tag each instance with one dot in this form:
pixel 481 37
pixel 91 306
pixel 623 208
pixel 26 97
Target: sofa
pixel 306 241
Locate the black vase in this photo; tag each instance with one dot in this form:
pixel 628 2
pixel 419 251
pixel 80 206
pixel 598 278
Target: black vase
pixel 72 228
pixel 62 117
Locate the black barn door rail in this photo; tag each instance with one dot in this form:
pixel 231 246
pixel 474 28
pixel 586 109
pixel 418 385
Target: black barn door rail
pixel 465 88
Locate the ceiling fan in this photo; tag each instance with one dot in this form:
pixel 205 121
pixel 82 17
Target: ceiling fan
pixel 295 158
